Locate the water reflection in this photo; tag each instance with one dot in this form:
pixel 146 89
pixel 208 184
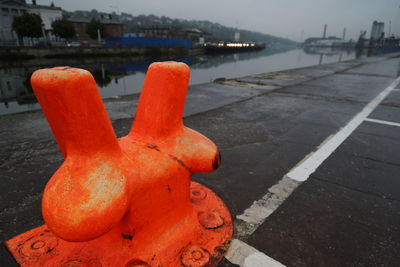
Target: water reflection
pixel 15 87
pixel 335 52
pixel 116 77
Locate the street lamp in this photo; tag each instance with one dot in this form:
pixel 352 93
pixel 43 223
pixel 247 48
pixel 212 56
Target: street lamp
pixel 99 36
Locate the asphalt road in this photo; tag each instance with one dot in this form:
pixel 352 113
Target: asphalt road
pixel 341 120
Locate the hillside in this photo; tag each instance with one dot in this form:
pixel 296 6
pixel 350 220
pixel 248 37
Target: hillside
pixel 217 31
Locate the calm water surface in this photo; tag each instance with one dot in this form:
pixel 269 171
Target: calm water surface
pixel 117 77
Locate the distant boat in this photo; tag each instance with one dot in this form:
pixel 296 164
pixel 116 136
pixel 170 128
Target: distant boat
pixel 231 47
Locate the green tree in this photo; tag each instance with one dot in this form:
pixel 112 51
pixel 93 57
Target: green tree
pixel 63 28
pixel 28 25
pixel 92 28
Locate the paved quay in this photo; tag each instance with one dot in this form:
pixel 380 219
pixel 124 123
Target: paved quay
pixel 310 163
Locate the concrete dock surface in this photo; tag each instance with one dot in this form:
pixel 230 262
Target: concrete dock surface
pixel 310 163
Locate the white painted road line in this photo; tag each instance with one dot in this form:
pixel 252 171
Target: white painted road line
pixel 258 212
pixel 246 256
pixel 309 165
pixel 396 90
pixel 383 122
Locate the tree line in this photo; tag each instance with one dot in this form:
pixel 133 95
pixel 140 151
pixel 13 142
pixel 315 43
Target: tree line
pixel 212 30
pixel 31 25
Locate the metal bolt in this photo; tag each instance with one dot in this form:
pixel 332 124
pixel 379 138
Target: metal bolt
pixel 81 262
pixel 195 256
pixel 38 245
pixel 210 220
pixel 197 194
pixel 137 263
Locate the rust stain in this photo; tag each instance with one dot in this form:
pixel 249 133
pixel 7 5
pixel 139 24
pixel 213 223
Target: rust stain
pixel 153 146
pixel 127 236
pixel 180 162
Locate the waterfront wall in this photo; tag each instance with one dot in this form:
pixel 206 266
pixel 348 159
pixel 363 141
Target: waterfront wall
pixel 148 42
pixel 83 51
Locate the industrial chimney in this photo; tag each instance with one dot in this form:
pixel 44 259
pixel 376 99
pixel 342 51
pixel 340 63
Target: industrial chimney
pixel 325 26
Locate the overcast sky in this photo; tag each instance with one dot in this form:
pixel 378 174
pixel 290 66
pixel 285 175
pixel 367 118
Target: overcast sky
pixel 284 18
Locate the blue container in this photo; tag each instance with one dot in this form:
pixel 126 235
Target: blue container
pixel 387 48
pixel 148 42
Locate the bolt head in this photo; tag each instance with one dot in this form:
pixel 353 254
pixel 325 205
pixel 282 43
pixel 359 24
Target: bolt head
pixel 195 256
pixel 137 263
pixel 38 245
pixel 210 220
pixel 197 194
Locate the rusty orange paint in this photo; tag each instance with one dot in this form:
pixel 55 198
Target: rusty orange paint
pixel 126 201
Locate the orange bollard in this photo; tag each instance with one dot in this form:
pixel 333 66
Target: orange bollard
pixel 127 201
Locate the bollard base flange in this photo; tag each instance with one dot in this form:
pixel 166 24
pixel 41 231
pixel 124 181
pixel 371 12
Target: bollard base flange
pixel 201 239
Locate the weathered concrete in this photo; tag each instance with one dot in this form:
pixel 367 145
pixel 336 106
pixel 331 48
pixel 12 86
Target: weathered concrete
pixel 347 213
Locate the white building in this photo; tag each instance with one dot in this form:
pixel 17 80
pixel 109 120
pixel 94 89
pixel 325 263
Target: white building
pixel 377 30
pixel 237 36
pixel 47 13
pixel 11 8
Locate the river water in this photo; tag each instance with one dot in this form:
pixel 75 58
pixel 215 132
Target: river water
pixel 117 77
